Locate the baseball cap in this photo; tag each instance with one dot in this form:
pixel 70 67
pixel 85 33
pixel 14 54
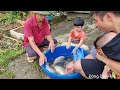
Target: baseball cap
pixel 41 12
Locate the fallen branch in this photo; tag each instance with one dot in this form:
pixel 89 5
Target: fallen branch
pixel 11 38
pixel 2 50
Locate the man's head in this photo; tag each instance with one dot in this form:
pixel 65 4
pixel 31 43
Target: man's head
pixel 105 20
pixel 40 15
pixel 78 23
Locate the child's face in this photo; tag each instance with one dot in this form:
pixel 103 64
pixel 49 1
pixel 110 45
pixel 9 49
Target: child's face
pixel 78 28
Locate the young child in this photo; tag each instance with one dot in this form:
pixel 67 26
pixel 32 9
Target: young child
pixel 99 43
pixel 77 35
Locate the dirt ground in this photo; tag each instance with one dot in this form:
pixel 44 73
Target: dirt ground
pixel 25 70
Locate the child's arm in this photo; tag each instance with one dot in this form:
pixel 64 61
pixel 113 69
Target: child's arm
pixel 81 42
pixel 69 43
pixel 79 45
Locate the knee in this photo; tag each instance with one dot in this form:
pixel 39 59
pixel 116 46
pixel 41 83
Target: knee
pixel 55 41
pixel 32 54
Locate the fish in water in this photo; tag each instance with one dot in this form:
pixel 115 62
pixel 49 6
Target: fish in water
pixel 60 64
pixel 59 70
pixel 58 59
pixel 49 68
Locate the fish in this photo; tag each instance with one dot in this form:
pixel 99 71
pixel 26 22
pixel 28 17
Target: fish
pixel 58 59
pixel 59 70
pixel 61 63
pixel 49 68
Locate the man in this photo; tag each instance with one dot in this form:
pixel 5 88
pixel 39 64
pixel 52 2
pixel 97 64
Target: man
pixel 37 34
pixel 106 21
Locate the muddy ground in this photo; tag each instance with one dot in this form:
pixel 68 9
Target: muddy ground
pixel 25 70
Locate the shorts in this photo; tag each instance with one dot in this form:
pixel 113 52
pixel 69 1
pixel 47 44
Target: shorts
pixel 92 68
pixel 75 41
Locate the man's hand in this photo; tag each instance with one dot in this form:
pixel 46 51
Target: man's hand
pixel 51 46
pixel 42 59
pixel 68 45
pixel 69 69
pixel 99 57
pixel 105 73
pixel 100 54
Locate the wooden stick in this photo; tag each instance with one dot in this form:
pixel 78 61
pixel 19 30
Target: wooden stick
pixel 11 38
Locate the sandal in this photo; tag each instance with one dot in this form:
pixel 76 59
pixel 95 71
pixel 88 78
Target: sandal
pixel 30 59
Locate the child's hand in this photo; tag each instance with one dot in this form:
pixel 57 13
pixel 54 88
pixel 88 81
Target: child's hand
pixel 68 45
pixel 74 50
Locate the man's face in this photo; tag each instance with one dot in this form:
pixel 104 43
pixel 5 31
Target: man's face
pixel 104 25
pixel 40 17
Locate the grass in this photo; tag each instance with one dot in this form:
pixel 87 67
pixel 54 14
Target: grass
pixel 7 74
pixel 8 55
pixel 36 66
pixel 5 58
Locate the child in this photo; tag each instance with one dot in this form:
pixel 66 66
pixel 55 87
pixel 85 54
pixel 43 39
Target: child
pixel 99 43
pixel 77 35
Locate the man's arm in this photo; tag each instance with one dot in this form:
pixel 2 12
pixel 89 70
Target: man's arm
pixel 37 50
pixel 49 38
pixel 113 65
pixel 34 46
pixel 51 45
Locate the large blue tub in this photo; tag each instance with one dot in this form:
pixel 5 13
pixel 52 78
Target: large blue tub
pixel 61 51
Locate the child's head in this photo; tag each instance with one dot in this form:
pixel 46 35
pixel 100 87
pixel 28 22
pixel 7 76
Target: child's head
pixel 78 23
pixel 104 39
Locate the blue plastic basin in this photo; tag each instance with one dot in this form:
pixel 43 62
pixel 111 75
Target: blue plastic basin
pixel 61 51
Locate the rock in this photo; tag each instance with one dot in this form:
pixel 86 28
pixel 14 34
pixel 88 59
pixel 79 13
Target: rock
pixel 1 36
pixel 62 38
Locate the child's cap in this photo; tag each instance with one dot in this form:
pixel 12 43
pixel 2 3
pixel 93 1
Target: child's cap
pixel 78 21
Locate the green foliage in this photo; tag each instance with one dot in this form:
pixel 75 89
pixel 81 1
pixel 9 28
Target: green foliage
pixel 8 55
pixel 7 74
pixel 13 15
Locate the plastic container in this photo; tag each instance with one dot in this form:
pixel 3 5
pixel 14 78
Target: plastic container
pixel 49 18
pixel 16 34
pixel 61 51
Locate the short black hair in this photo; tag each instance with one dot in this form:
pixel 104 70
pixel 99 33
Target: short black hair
pixel 78 21
pixel 102 13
